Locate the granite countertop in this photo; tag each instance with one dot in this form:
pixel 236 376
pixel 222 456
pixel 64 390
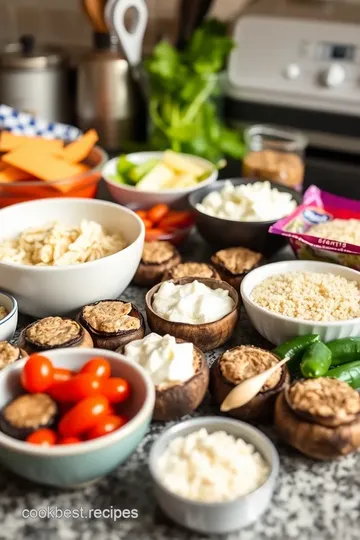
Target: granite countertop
pixel 312 500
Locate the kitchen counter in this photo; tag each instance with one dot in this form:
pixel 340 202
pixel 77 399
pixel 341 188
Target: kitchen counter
pixel 312 501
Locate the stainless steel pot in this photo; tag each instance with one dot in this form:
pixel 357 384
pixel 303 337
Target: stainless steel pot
pixel 34 79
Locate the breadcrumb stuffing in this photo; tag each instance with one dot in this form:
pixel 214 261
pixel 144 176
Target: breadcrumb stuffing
pixel 310 296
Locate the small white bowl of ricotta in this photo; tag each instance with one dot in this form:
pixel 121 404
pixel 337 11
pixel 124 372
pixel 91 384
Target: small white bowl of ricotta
pixel 239 212
pixel 8 316
pixel 241 463
pixel 202 311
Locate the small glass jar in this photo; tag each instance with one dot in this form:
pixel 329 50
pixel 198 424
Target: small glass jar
pixel 276 154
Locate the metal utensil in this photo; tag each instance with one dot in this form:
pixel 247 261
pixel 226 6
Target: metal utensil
pixel 246 390
pixel 131 39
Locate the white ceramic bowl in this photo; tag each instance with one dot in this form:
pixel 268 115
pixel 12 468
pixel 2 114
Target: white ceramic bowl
pixel 49 290
pixel 8 324
pixel 134 198
pixel 278 328
pixel 221 517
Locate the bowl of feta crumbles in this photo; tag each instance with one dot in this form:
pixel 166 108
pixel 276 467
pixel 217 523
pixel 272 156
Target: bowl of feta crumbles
pixel 239 212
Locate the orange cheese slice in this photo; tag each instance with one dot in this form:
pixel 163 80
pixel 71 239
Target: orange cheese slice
pixel 12 174
pixel 9 142
pixel 44 165
pixel 79 150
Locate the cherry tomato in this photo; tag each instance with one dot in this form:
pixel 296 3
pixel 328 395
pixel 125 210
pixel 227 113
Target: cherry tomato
pixel 141 213
pixel 37 374
pixel 106 425
pixel 115 389
pixel 62 374
pixel 157 212
pixel 176 220
pixel 97 366
pixel 83 416
pixel 43 437
pixel 69 440
pixel 148 224
pixel 154 234
pixel 78 387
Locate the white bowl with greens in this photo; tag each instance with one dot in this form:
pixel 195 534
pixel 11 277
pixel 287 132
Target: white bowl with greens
pixel 142 179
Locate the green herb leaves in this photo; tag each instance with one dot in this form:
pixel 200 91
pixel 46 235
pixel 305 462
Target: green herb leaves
pixel 184 89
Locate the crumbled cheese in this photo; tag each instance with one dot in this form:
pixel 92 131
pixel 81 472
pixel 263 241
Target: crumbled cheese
pixel 192 303
pixel 248 202
pixel 212 467
pixel 165 360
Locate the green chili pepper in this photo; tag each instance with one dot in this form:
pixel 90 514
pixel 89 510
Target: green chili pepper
pixel 294 348
pixel 316 360
pixel 349 373
pixel 344 350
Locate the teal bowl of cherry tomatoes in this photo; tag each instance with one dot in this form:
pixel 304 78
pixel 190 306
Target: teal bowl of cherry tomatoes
pixel 70 416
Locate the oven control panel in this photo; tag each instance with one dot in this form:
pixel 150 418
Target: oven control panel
pixel 302 62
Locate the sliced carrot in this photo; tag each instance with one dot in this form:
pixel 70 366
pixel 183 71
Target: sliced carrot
pixel 141 213
pixel 9 142
pixel 45 166
pixel 148 224
pixel 158 212
pixel 12 174
pixel 176 220
pixel 80 149
pixel 153 234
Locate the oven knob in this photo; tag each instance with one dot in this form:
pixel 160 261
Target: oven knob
pixel 292 72
pixel 334 76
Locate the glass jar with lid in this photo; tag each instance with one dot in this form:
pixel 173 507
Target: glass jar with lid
pixel 276 154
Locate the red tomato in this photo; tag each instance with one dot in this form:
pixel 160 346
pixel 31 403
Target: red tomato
pixel 69 440
pixel 153 234
pixel 115 389
pixel 83 416
pixel 37 374
pixel 106 425
pixel 78 387
pixel 157 212
pixel 176 220
pixel 97 366
pixel 43 437
pixel 62 374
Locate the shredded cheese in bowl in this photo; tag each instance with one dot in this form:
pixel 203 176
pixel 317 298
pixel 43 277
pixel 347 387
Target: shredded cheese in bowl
pixel 60 245
pixel 257 201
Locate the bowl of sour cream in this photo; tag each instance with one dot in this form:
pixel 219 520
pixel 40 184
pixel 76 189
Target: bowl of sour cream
pixel 202 311
pixel 239 212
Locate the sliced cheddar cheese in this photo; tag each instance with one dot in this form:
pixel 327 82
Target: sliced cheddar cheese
pixel 12 174
pixel 9 142
pixel 44 165
pixel 79 150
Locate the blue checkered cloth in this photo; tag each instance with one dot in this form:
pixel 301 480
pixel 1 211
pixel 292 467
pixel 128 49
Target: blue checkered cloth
pixel 21 123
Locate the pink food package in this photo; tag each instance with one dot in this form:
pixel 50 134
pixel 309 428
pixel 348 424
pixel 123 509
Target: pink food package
pixel 319 207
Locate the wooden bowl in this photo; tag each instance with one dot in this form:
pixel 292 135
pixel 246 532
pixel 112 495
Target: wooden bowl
pixel 205 336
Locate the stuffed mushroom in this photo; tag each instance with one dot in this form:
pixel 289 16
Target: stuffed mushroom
pixel 191 269
pixel 178 370
pixel 9 353
pixel 53 333
pixel 28 413
pixel 234 263
pixel 319 417
pixel 240 363
pixel 112 323
pixel 157 258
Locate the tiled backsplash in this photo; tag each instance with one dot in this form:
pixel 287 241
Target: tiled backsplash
pixel 63 22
